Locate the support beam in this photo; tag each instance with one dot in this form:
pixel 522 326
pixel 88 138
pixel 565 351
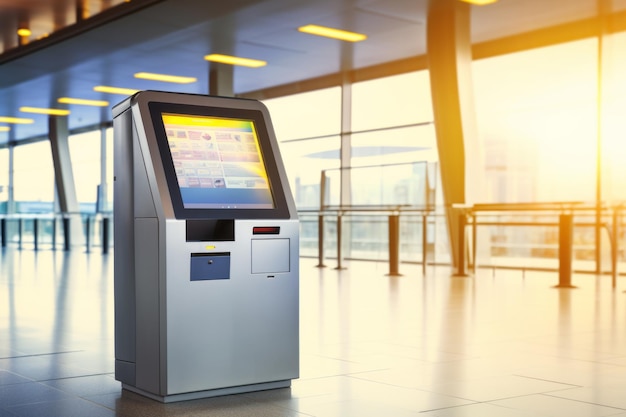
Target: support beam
pixel 103 196
pixel 221 79
pixel 64 176
pixel 449 62
pixel 11 186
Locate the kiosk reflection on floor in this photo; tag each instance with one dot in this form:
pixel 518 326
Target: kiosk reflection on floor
pixel 206 238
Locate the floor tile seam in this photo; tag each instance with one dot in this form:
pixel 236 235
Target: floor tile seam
pixel 36 355
pixel 70 398
pixel 30 381
pixel 65 378
pixel 471 403
pixel 551 381
pixel 427 391
pixel 492 401
pixel 552 394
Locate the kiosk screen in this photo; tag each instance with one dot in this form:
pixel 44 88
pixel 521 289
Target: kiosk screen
pixel 218 162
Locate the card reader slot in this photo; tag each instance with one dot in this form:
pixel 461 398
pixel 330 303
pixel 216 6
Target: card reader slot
pixel 210 230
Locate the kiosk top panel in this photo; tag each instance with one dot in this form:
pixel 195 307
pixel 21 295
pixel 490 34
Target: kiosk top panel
pixel 218 156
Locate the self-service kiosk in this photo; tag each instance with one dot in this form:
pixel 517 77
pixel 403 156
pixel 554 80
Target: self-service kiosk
pixel 206 249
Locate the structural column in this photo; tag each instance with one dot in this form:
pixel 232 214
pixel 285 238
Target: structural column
pixel 221 80
pixel 449 61
pixel 64 178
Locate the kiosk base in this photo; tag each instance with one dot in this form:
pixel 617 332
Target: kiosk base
pixel 209 393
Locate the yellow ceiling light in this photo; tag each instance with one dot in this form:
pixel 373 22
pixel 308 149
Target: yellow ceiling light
pixel 235 60
pixel 114 90
pixel 16 120
pixel 83 102
pixel 41 110
pixel 165 78
pixel 480 2
pixel 4 128
pixel 24 32
pixel 327 32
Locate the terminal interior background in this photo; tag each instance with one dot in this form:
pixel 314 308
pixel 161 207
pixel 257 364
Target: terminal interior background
pixel 549 99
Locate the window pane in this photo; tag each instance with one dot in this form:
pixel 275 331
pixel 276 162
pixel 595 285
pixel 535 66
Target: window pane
pixel 614 122
pixel 392 101
pixel 536 112
pixel 304 162
pixel 33 177
pixel 392 146
pixel 306 115
pixel 4 180
pixel 85 156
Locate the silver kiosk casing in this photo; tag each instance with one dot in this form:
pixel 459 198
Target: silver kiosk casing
pixel 206 305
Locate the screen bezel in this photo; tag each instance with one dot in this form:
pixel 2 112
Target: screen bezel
pixel 280 209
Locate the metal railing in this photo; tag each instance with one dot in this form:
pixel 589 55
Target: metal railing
pixel 393 220
pixel 564 214
pixel 55 230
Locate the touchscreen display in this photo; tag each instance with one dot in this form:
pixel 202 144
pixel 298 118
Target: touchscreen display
pixel 218 162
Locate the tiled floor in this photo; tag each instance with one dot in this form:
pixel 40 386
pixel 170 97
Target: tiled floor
pixel 499 344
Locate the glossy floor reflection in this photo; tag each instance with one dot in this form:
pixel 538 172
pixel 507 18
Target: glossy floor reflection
pixel 498 344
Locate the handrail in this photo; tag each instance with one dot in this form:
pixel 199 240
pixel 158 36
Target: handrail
pixel 566 210
pixel 393 212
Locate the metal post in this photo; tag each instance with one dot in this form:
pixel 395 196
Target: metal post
pixel 474 242
pixel 614 246
pixel 66 233
pixel 394 245
pixel 87 234
pixel 320 241
pixel 36 233
pixel 54 233
pixel 566 232
pixel 19 233
pixel 462 248
pixel 3 225
pixel 105 235
pixel 424 242
pixel 339 241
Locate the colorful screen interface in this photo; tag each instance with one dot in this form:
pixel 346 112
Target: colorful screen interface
pixel 218 162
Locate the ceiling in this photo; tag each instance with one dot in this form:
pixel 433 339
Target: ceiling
pixel 106 42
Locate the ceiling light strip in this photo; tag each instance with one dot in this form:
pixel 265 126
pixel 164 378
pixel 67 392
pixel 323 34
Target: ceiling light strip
pixel 115 90
pixel 235 60
pixel 165 78
pixel 83 102
pixel 16 120
pixel 333 33
pixel 41 110
pixel 24 32
pixel 480 2
pixel 4 128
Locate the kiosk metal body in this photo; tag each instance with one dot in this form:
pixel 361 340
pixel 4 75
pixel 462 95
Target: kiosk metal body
pixel 206 292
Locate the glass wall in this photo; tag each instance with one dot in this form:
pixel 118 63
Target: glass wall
pixel 392 124
pixel 33 178
pixel 307 127
pixel 86 162
pixel 4 180
pixel 537 112
pixel 537 115
pixel 391 101
pixel 614 121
